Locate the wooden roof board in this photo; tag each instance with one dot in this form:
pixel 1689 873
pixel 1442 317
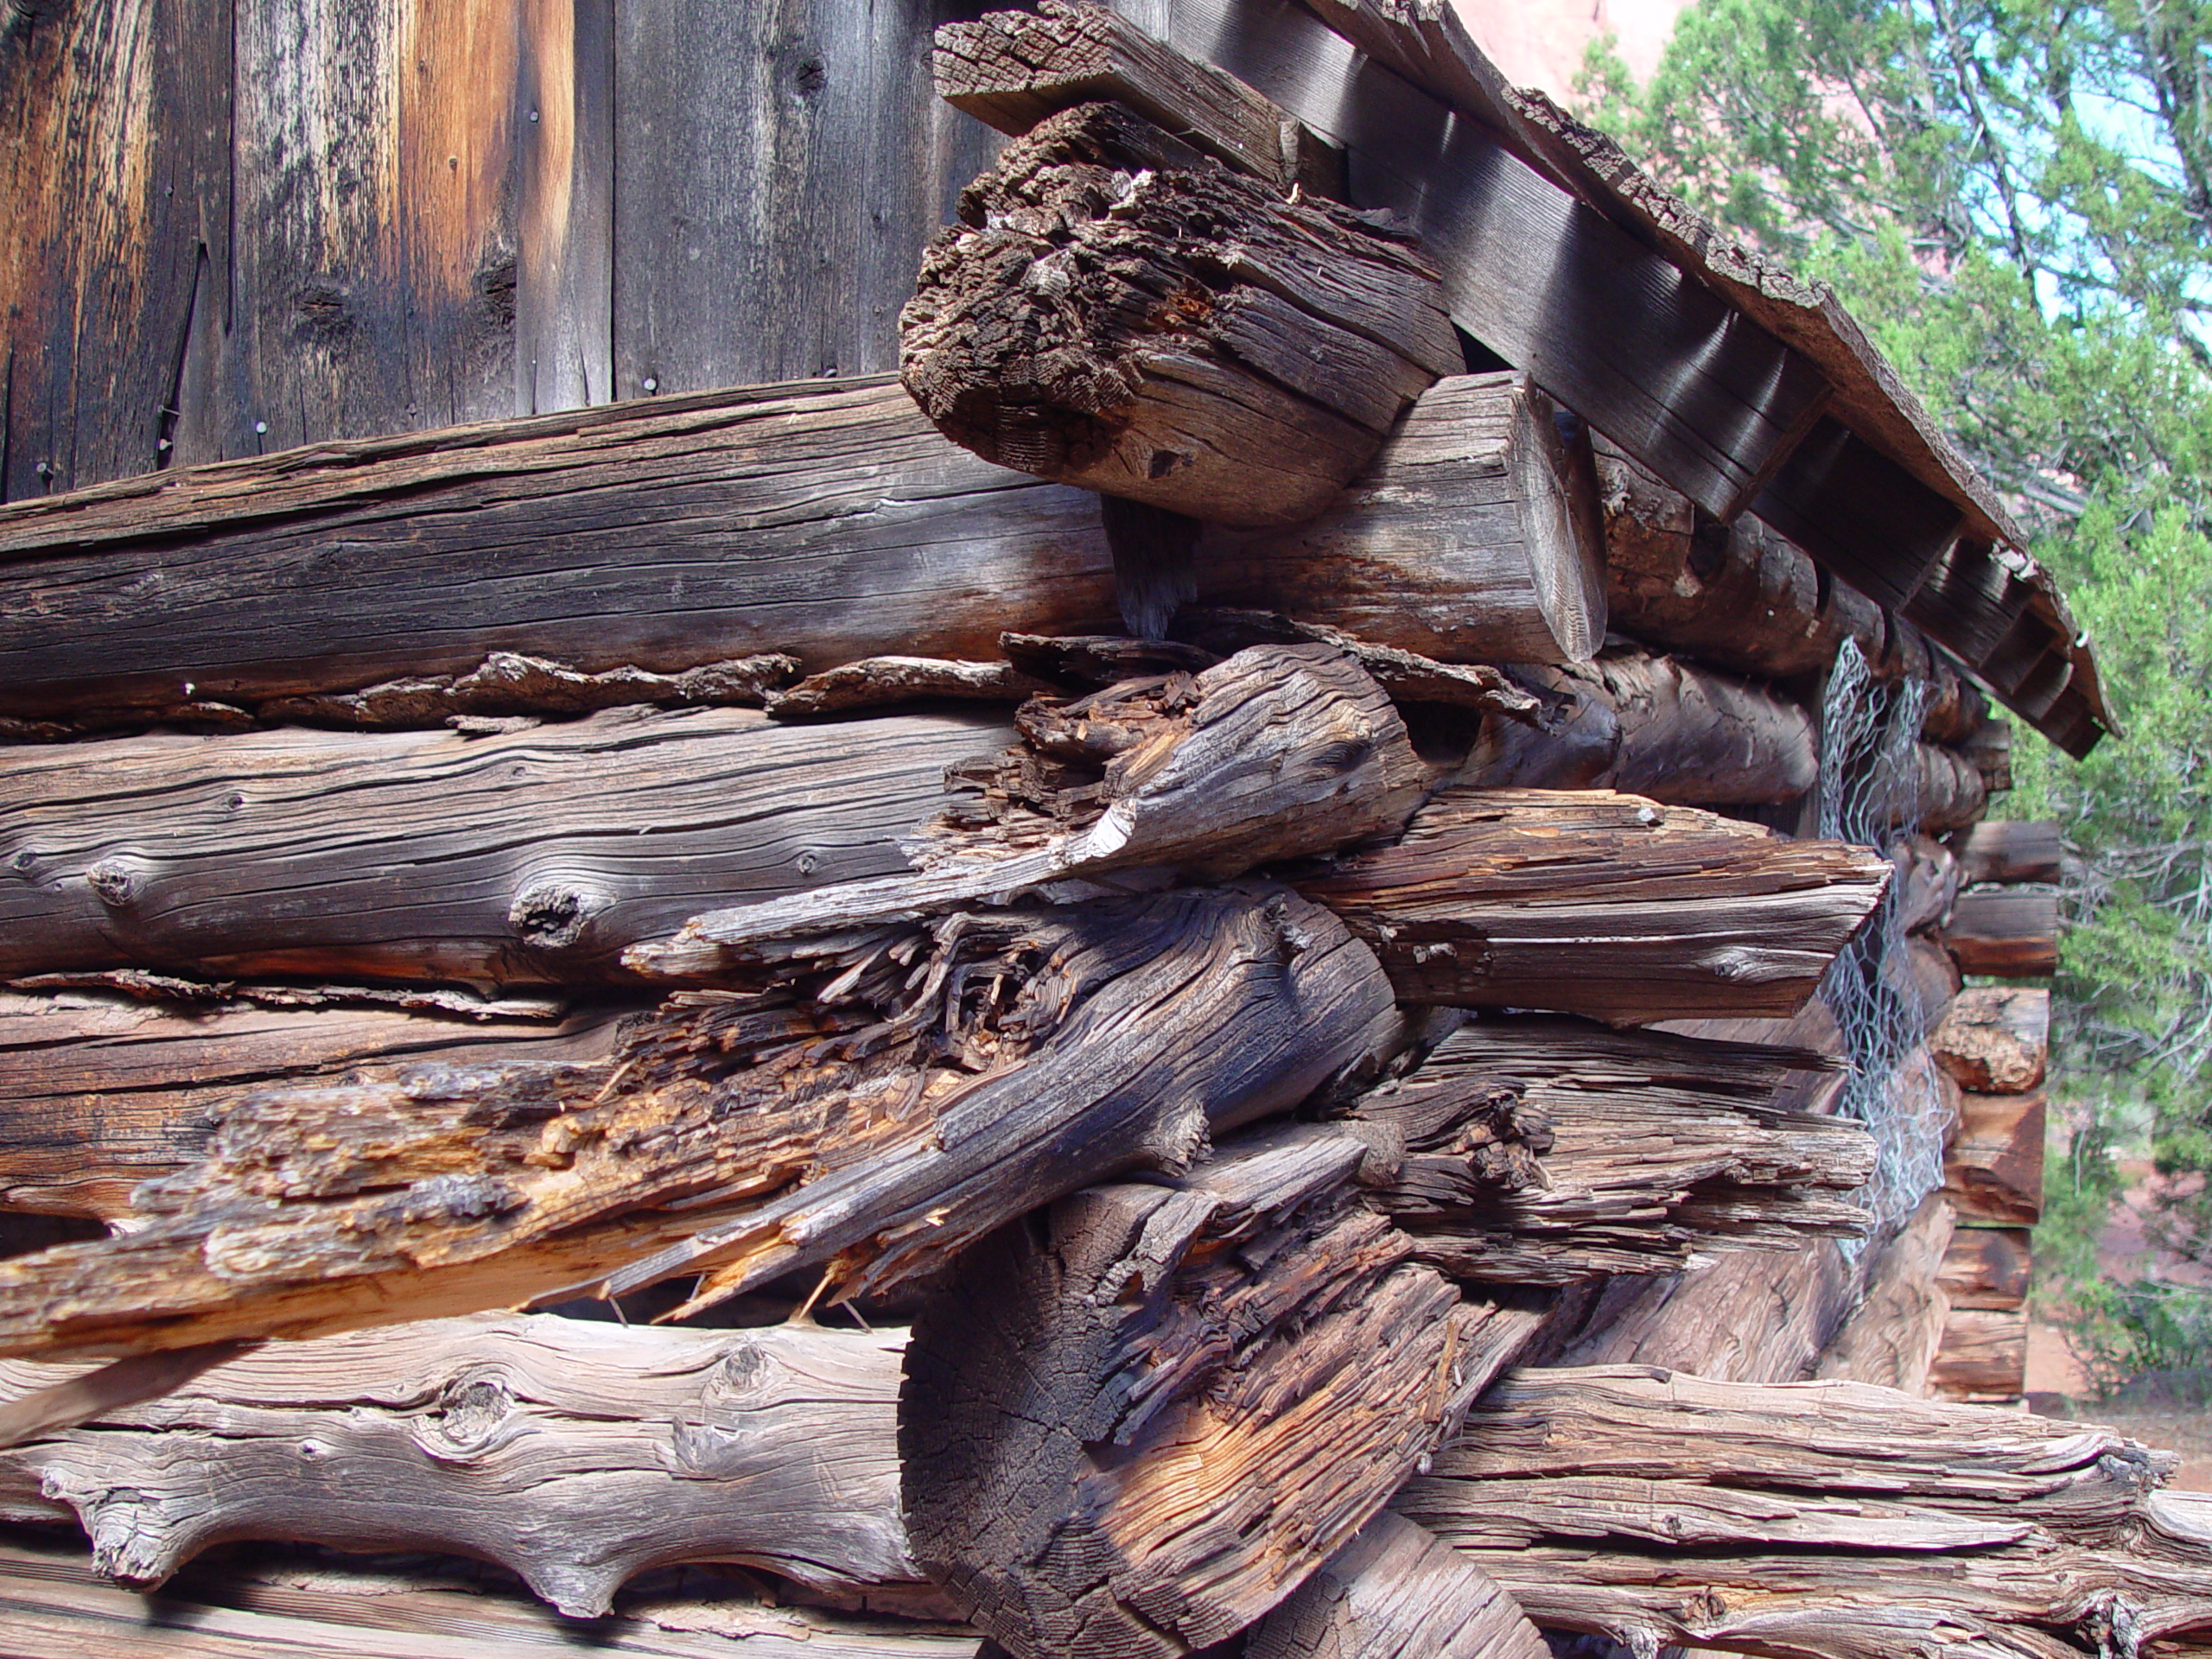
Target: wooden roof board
pixel 1949 555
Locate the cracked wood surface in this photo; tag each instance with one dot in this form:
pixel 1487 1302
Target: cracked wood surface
pixel 1591 902
pixel 1136 1420
pixel 1823 1519
pixel 1396 1592
pixel 1994 1040
pixel 1116 310
pixel 1891 1337
pixel 1539 1152
pixel 520 857
pixel 578 1454
pixel 899 1092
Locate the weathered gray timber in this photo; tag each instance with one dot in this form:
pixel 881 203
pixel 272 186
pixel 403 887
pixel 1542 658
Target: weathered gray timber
pixel 578 1454
pixel 105 1091
pixel 1591 902
pixel 1891 1337
pixel 530 855
pixel 829 520
pixel 901 1091
pixel 2010 932
pixel 1545 1150
pixel 1825 1519
pixel 1118 311
pixel 1480 514
pixel 1135 1422
pixel 2008 852
pixel 1396 1592
pixel 1277 752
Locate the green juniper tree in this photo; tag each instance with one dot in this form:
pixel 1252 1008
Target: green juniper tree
pixel 2016 201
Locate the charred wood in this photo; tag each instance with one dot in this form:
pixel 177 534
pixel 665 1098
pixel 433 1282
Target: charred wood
pixel 1134 1423
pixel 896 1093
pixel 1118 310
pixel 1590 902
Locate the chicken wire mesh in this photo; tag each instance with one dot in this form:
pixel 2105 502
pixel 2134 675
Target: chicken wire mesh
pixel 1869 795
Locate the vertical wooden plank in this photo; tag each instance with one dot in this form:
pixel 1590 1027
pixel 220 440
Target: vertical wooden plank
pixel 372 281
pixel 564 272
pixel 112 155
pixel 779 165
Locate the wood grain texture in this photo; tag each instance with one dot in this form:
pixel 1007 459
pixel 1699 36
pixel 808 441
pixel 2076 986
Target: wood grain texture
pixel 828 520
pixel 106 1090
pixel 1609 905
pixel 531 856
pixel 2011 932
pixel 578 1454
pixel 1545 1150
pixel 1135 1422
pixel 1995 1039
pixel 1396 1592
pixel 1994 1171
pixel 1471 536
pixel 1984 1355
pixel 1118 311
pixel 1988 1266
pixel 1822 1519
pixel 2007 852
pixel 901 1092
pixel 1275 753
pixel 1891 1337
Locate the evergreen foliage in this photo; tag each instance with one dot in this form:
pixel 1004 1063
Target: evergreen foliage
pixel 2014 197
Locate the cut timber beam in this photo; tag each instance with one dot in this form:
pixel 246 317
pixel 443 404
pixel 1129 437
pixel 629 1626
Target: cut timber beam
pixel 530 856
pixel 1278 752
pixel 1993 1172
pixel 1891 1337
pixel 1544 1151
pixel 828 520
pixel 1995 1039
pixel 1118 311
pixel 1590 902
pixel 1983 1356
pixel 1988 1267
pixel 1471 536
pixel 579 1454
pixel 901 1091
pixel 1396 1592
pixel 1134 1423
pixel 106 1090
pixel 1831 1519
pixel 2006 853
pixel 2011 932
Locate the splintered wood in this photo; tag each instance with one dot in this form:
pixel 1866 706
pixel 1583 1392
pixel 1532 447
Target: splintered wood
pixel 1539 1152
pixel 1590 902
pixel 1136 1422
pixel 1118 310
pixel 578 1454
pixel 1396 1592
pixel 1827 1519
pixel 896 1093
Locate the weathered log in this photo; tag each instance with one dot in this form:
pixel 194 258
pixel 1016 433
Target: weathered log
pixel 1832 1520
pixel 578 1454
pixel 1995 1039
pixel 106 1090
pixel 1471 536
pixel 827 519
pixel 1396 1592
pixel 883 681
pixel 1543 1151
pixel 508 686
pixel 1891 1337
pixel 1118 310
pixel 901 1092
pixel 1983 1356
pixel 265 1603
pixel 2007 852
pixel 1993 1172
pixel 2011 932
pixel 1927 882
pixel 530 855
pixel 1656 727
pixel 1988 749
pixel 1278 752
pixel 1134 1423
pixel 1924 973
pixel 1408 677
pixel 1013 69
pixel 1946 788
pixel 1590 902
pixel 1988 1267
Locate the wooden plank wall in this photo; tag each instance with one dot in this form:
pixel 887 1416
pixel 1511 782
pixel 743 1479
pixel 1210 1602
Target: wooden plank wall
pixel 245 224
